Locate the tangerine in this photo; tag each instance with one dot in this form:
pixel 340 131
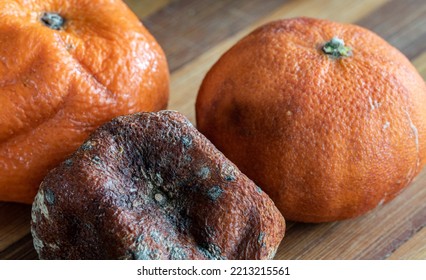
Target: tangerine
pixel 67 67
pixel 328 118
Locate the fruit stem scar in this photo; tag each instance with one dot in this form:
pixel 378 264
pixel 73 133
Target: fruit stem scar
pixel 52 20
pixel 336 48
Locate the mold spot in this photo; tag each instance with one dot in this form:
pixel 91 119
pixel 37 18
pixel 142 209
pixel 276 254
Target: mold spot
pixel 187 158
pixel 135 179
pixel 186 141
pixel 177 253
pixel 140 238
pixel 158 180
pixel 188 123
pixel 126 172
pixel 272 252
pixel 258 189
pixel 160 198
pixel 33 217
pixel 211 251
pixel 69 162
pixel 184 224
pixel 214 193
pixel 96 159
pixel 208 232
pixel 38 244
pixel 155 235
pixel 261 238
pixel 87 146
pixel 204 172
pixel 53 20
pixel 49 195
pixel 228 173
pixel 144 253
pixel 39 204
pixel 109 185
pixel 52 246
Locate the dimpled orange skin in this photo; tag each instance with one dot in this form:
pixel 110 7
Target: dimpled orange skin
pixel 327 138
pixel 56 86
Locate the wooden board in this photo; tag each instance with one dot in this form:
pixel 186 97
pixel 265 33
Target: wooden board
pixel 194 33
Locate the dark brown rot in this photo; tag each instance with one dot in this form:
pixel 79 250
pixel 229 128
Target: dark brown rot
pixel 150 186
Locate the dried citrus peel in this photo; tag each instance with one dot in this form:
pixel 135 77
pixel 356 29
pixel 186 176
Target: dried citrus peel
pixel 336 48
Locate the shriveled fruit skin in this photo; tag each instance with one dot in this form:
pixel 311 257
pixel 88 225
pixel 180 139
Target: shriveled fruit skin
pixel 61 79
pixel 150 186
pixel 327 138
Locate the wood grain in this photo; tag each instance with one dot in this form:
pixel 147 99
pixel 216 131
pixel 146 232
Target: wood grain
pixel 414 248
pixel 420 64
pixel 146 7
pixel 14 223
pixel 194 34
pixel 186 28
pixel 402 24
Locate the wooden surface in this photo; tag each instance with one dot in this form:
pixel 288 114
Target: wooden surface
pixel 194 33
